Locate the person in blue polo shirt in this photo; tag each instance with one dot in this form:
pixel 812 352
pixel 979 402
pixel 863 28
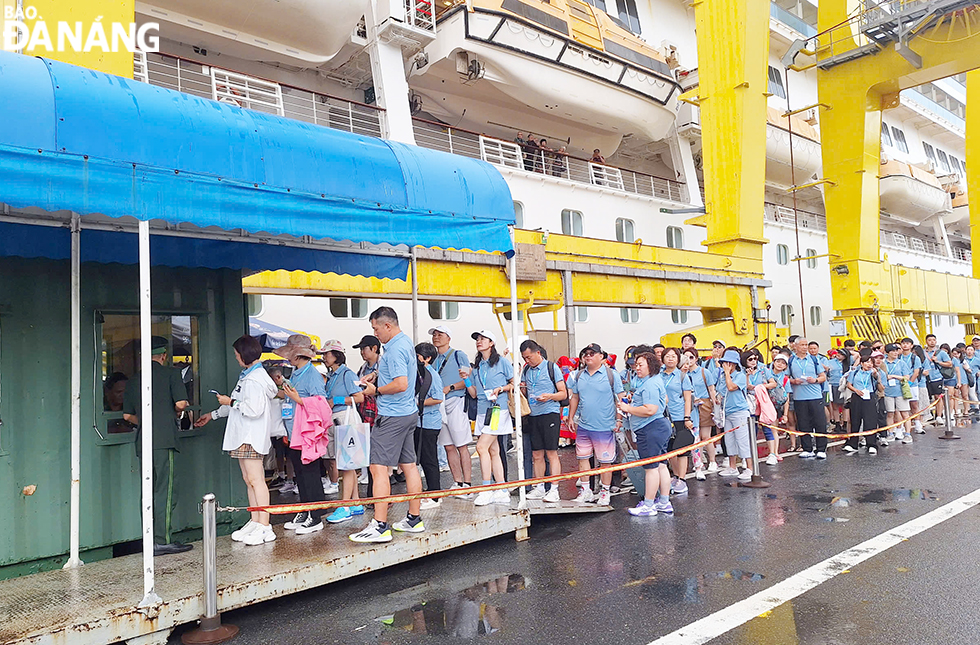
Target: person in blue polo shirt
pixel 807 377
pixel 896 405
pixel 545 387
pixel 938 359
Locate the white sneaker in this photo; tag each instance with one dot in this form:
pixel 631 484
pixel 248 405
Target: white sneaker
pixel 372 534
pixel 459 487
pixel 331 488
pixel 849 450
pixel 713 467
pixel 405 525
pixel 309 527
pixel 501 497
pixel 363 479
pixel 872 451
pixel 585 495
pixel 699 475
pixel 745 475
pixel 604 497
pixel 289 488
pixel 261 535
pixel 552 496
pixel 772 460
pixel 728 472
pixel 428 504
pixel 907 439
pixel 239 535
pixel 483 499
pixel 806 455
pixel 821 455
pixel 537 492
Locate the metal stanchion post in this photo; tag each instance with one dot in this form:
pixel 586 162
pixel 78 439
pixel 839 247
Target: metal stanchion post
pixel 756 481
pixel 948 409
pixel 211 629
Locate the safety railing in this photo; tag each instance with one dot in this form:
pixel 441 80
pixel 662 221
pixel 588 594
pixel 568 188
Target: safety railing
pixel 420 14
pixel 198 79
pixel 784 215
pixel 139 66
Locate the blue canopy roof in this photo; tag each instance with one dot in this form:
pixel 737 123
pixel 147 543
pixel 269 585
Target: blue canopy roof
pixel 79 140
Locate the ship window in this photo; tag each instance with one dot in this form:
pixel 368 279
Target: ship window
pixel 782 254
pixel 679 316
pixel 629 315
pixel 581 314
pixel 930 153
pixel 628 15
pixel 811 260
pixel 598 4
pixel 899 137
pixel 937 320
pixel 886 136
pixel 571 222
pixel 518 215
pixel 955 164
pixel 439 310
pixel 349 308
pixel 943 161
pixel 520 315
pixel 624 230
pixel 675 237
pixel 816 316
pixel 776 83
pixel 786 315
pixel 952 321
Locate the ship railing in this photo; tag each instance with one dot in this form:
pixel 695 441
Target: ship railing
pixel 501 153
pixel 196 78
pixel 421 14
pixel 607 176
pixel 139 67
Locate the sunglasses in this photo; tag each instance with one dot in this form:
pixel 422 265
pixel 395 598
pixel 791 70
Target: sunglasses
pixel 753 358
pixel 588 353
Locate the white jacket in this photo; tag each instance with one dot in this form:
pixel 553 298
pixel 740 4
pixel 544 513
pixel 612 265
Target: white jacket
pixel 251 419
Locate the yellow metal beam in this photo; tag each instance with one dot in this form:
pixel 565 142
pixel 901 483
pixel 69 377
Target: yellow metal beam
pixel 733 50
pixel 973 162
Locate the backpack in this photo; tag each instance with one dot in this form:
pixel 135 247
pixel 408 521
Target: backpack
pixel 423 382
pixel 554 383
pixel 778 394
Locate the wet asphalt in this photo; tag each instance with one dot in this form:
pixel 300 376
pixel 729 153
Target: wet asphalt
pixel 612 578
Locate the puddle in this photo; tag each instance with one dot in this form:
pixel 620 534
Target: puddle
pixel 840 502
pixel 690 590
pixel 836 519
pixel 882 495
pixel 551 534
pixel 468 614
pixel 734 574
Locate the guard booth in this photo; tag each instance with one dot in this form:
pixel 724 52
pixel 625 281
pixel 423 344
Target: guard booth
pixel 128 207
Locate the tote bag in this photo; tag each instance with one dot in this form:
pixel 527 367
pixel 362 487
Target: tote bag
pixel 353 443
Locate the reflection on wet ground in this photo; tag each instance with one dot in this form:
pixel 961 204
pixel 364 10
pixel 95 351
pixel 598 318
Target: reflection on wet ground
pixel 882 495
pixel 468 614
pixel 690 590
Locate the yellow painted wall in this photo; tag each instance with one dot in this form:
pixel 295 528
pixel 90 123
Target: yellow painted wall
pixel 84 11
pixel 973 162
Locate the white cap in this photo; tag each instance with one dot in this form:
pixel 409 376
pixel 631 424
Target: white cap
pixel 441 328
pixel 486 334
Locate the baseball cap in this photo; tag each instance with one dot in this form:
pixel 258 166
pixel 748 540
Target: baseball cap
pixel 441 328
pixel 593 347
pixel 368 341
pixel 332 346
pixel 718 343
pixel 489 335
pixel 781 357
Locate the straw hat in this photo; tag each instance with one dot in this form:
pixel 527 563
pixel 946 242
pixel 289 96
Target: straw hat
pixel 297 345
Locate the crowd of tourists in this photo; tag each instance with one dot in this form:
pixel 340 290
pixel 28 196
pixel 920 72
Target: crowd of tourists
pixel 328 429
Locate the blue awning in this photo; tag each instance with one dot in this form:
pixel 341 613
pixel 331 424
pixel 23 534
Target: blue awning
pixel 82 141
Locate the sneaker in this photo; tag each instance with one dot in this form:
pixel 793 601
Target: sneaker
pixel 603 497
pixel 643 509
pixel 821 455
pixel 501 497
pixel 849 450
pixel 331 488
pixel 261 535
pixel 340 514
pixel 429 504
pixel 309 526
pixel 289 488
pixel 356 510
pixel 872 450
pixel 372 534
pixel 663 507
pixel 713 467
pixel 679 487
pixel 728 472
pixel 772 459
pixel 537 492
pixel 699 475
pixel 883 441
pixel 297 522
pixel 585 495
pixel 484 498
pixel 745 475
pixel 363 479
pixel 277 482
pixel 409 526
pixel 239 535
pixel 744 463
pixel 920 430
pixel 907 439
pixel 444 468
pixel 552 496
pixel 461 486
pixel 806 454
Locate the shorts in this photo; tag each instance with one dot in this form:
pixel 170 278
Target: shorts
pixel 935 388
pixel 835 395
pixel 504 426
pixel 915 393
pixel 896 403
pixel 393 440
pixel 704 414
pixel 652 440
pixel 603 444
pixel 682 437
pixel 246 451
pixel 455 423
pixel 543 430
pixel 950 382
pixel 923 398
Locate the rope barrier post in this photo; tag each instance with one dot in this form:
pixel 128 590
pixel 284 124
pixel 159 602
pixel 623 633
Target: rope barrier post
pixel 756 481
pixel 948 414
pixel 211 630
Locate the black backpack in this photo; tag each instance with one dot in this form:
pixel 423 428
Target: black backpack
pixel 423 381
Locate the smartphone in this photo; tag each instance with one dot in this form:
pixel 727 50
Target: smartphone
pixel 287 371
pixel 213 391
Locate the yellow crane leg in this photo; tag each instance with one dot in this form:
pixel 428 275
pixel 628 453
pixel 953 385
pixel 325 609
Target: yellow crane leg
pixel 973 162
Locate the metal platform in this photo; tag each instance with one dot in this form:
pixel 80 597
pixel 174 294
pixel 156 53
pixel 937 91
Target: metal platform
pixel 565 506
pixel 97 602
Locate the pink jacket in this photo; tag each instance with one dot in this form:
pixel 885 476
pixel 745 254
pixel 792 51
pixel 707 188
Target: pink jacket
pixel 766 410
pixel 310 424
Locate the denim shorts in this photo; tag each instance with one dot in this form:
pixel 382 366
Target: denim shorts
pixel 652 439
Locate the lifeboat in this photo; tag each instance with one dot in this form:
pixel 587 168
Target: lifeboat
pixel 959 218
pixel 784 169
pixel 910 193
pixel 561 69
pixel 305 32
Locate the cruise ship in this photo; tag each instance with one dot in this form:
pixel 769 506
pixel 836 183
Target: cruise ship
pixel 471 77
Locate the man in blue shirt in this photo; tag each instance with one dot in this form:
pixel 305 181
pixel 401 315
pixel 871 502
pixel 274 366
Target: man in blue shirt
pixel 456 433
pixel 807 377
pixel 937 358
pixel 393 436
pixel 544 387
pixel 915 367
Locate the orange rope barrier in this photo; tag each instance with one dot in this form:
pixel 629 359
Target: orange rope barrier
pixel 863 433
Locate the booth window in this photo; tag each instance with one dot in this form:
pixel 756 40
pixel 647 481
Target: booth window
pixel 439 310
pixel 118 340
pixel 356 308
